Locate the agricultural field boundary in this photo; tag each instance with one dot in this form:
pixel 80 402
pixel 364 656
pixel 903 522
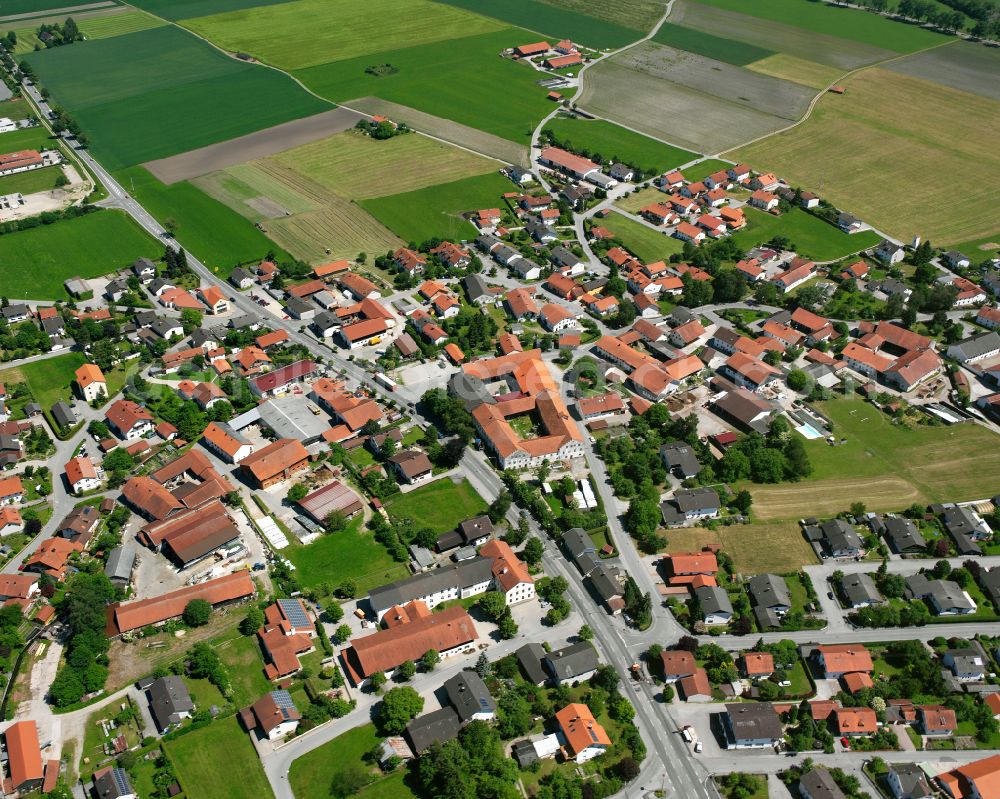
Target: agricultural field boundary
pixel 262 143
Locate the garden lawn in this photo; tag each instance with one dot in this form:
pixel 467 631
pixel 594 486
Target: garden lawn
pixel 645 243
pixel 38 260
pixel 350 554
pixel 886 466
pixel 703 169
pixel 435 211
pixel 305 33
pixel 312 774
pixel 555 22
pixel 215 233
pixel 243 661
pixel 616 143
pixel 30 182
pixel 824 18
pixel 706 44
pixel 204 694
pixel 511 107
pixel 49 380
pixel 218 762
pixel 158 92
pixel 440 505
pixel 811 236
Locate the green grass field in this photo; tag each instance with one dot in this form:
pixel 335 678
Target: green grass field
pixel 49 380
pixel 312 774
pixel 13 7
pixel 645 243
pixel 158 92
pixel 820 17
pixel 810 235
pixel 351 554
pixel 797 70
pixel 243 660
pixel 25 139
pixel 616 143
pixel 435 211
pixel 717 47
pixel 184 9
pixel 440 505
pixel 37 260
pixel 305 33
pixel 885 466
pixel 30 182
pixel 218 762
pixel 215 233
pixel 510 109
pixel 557 23
pixel 776 547
pixel 637 15
pixel 15 108
pixel 118 24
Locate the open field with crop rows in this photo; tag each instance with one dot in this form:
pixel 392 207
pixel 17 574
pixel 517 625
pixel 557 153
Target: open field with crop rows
pixel 158 92
pixel 889 124
pixel 706 44
pixel 108 25
pixel 185 9
pixel 638 15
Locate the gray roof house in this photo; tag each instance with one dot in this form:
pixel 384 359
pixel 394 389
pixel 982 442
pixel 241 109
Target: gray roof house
pixel 690 504
pixel 715 605
pixel 751 725
pixel 573 663
pixel 966 521
pixel 680 459
pixel 902 535
pixel 966 664
pixel 770 591
pixel 859 590
pixel 438 726
pixel 946 597
pixel 112 783
pixel 529 658
pixel 577 542
pixel 169 701
pixel 840 540
pixel 470 697
pixel 975 348
pixel 989 579
pixel 63 414
pixel 476 289
pixel 819 784
pixel 241 278
pixel 119 565
pixel 563 257
pixel 607 582
pixel 455 581
pixel 908 781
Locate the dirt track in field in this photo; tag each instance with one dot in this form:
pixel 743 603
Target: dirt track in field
pixel 261 144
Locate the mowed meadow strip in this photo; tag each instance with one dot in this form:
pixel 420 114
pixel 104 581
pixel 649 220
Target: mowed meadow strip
pixel 510 107
pixel 847 23
pixel 305 33
pixel 162 91
pixel 37 261
pixel 357 166
pixel 184 9
pixel 886 124
pixel 106 26
pixel 729 50
pixel 557 23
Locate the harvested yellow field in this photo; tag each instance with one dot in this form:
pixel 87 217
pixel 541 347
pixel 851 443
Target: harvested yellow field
pixel 859 148
pixel 797 70
pixel 354 165
pixel 343 227
pixel 754 548
pixel 829 497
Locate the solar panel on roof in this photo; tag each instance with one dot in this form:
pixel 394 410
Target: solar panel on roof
pixel 121 781
pixel 484 704
pixel 293 611
pixel 593 735
pixel 283 700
